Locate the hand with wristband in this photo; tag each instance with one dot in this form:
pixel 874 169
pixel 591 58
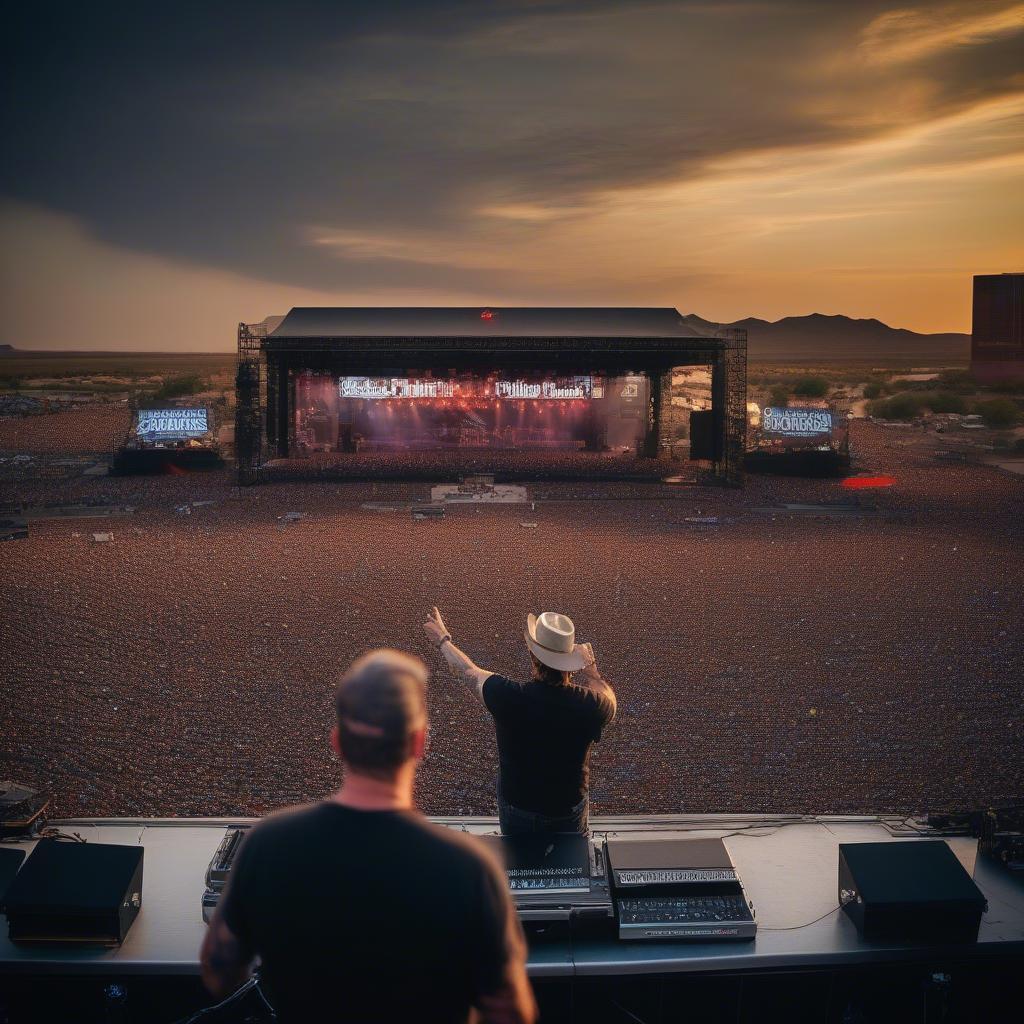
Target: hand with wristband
pixel 436 629
pixel 461 664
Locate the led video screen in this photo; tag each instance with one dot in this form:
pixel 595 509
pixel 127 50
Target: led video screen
pixel 498 410
pixel 171 424
pixel 495 389
pixel 794 422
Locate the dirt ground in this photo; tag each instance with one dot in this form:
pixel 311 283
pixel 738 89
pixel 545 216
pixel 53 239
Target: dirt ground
pixel 772 660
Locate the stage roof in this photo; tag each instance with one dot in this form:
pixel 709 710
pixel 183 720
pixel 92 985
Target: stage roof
pixel 486 321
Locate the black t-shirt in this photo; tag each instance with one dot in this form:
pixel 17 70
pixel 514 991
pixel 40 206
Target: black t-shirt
pixel 371 916
pixel 544 738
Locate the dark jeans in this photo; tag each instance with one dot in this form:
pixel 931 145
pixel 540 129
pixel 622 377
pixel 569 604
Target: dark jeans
pixel 516 822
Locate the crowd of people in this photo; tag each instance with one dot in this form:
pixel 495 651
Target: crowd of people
pixel 530 464
pixel 764 658
pixel 79 430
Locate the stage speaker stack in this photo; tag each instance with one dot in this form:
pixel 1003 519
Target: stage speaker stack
pixel 915 891
pixel 75 892
pixel 705 435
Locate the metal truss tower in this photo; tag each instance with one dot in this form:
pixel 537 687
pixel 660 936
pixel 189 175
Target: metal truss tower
pixel 250 392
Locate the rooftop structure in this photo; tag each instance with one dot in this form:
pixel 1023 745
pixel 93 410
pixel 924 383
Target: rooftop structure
pixel 997 331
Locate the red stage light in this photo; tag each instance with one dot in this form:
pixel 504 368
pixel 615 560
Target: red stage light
pixel 488 314
pixel 859 483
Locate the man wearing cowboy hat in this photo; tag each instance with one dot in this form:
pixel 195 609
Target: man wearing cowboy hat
pixel 545 727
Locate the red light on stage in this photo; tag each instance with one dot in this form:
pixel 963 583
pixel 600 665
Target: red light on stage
pixel 488 314
pixel 863 483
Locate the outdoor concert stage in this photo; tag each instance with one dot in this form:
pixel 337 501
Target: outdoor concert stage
pixel 807 963
pixel 541 392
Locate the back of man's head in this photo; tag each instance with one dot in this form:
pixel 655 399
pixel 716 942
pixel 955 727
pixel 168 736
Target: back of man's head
pixel 381 706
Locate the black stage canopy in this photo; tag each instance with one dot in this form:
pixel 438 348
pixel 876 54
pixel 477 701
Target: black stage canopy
pixel 486 322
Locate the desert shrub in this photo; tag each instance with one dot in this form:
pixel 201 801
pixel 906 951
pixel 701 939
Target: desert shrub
pixel 958 381
pixel 873 390
pixel 811 387
pixel 998 412
pixel 944 401
pixel 779 395
pixel 176 387
pixel 1014 386
pixel 904 406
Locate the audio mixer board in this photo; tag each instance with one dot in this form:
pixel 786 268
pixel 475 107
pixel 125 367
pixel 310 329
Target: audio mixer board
pixel 555 877
pixel 653 889
pixel 678 890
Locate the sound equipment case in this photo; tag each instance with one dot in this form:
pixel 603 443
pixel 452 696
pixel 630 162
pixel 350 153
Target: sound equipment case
pixel 76 893
pixel 914 891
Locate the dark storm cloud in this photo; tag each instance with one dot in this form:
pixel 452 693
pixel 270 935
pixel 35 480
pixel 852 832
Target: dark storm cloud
pixel 231 135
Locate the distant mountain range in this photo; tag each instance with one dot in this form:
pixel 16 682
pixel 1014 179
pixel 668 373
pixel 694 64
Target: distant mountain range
pixel 818 336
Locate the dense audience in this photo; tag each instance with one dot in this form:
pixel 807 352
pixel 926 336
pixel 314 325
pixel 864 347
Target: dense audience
pixel 765 658
pixel 83 430
pixel 536 464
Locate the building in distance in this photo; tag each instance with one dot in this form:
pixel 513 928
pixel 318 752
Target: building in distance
pixel 997 330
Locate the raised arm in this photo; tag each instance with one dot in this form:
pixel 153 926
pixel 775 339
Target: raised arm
pixel 590 676
pixel 461 664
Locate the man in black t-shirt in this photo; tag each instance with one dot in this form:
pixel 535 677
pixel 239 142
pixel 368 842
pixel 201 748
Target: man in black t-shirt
pixel 545 727
pixel 360 909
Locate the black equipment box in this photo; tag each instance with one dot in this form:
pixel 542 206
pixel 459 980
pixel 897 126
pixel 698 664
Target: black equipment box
pixel 678 890
pixel 75 892
pixel 10 863
pixel 909 891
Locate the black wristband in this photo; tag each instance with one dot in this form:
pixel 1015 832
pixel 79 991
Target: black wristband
pixel 445 639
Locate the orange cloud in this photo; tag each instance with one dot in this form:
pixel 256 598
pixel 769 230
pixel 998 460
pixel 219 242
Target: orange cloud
pixel 912 33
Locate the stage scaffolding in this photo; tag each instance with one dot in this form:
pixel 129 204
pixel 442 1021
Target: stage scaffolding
pixel 250 401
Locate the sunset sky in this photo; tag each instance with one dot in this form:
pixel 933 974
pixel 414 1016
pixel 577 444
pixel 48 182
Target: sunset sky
pixel 169 170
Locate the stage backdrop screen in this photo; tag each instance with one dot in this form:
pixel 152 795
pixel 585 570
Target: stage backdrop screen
pixel 564 388
pixel 796 422
pixel 171 424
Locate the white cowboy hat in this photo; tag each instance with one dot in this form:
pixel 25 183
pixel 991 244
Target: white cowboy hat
pixel 551 638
